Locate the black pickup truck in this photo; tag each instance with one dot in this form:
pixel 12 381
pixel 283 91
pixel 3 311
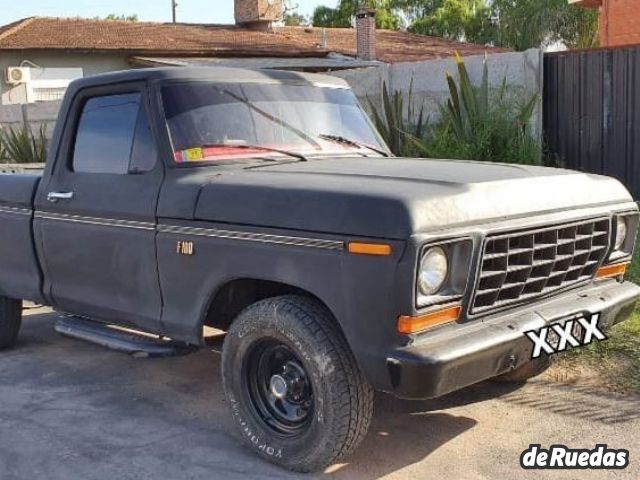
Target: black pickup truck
pixel 264 204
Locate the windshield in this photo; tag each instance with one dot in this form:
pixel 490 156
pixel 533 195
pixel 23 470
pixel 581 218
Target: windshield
pixel 216 121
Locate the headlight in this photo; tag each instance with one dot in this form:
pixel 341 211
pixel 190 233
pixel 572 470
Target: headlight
pixel 443 272
pixel 625 227
pixel 621 232
pixel 433 271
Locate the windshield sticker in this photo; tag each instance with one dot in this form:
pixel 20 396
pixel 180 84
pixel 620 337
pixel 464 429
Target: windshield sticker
pixel 189 155
pixel 200 154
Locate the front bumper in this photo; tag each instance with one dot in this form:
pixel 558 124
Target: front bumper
pixel 450 359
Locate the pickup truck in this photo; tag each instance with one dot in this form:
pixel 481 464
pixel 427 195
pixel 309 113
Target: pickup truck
pixel 264 204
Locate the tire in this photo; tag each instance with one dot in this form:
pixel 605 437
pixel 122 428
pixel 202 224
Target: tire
pixel 10 321
pixel 525 372
pixel 329 402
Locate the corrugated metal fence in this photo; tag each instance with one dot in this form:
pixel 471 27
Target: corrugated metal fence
pixel 592 111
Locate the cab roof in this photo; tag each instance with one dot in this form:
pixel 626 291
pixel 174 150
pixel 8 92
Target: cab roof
pixel 212 74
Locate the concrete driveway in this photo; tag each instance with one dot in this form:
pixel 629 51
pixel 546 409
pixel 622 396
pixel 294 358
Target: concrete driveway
pixel 71 410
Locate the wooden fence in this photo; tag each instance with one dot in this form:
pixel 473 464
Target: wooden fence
pixel 592 111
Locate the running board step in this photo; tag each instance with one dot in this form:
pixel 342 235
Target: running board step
pixel 116 338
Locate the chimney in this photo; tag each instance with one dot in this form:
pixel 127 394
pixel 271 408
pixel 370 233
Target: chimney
pixel 366 32
pixel 258 14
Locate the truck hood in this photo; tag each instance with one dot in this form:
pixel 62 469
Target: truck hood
pixel 394 197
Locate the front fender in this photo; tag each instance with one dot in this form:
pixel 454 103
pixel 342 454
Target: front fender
pixel 360 290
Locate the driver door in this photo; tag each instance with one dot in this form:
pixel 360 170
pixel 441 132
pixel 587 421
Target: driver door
pixel 96 217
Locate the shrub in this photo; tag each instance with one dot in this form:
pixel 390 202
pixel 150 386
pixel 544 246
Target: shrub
pixel 21 145
pixel 474 124
pixel 398 128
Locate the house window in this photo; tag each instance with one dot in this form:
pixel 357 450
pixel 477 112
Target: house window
pixel 48 94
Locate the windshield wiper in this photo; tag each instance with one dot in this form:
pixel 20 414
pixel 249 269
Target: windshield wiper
pixel 350 142
pixel 273 118
pixel 246 146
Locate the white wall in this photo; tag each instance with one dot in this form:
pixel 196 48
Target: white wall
pixel 522 70
pixel 91 63
pixel 34 115
pixel 45 113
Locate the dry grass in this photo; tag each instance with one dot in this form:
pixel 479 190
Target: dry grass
pixel 613 364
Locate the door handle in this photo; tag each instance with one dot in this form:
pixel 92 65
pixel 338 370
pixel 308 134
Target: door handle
pixel 53 197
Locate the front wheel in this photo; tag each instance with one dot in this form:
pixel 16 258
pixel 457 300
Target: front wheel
pixel 10 321
pixel 293 384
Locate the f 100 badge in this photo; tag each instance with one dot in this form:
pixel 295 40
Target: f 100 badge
pixel 184 248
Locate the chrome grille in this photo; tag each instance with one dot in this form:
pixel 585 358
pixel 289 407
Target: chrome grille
pixel 526 264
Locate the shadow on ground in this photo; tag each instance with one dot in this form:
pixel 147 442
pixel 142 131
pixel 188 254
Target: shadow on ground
pixel 108 415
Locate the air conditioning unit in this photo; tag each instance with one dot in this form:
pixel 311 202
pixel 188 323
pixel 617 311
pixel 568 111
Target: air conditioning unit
pixel 18 75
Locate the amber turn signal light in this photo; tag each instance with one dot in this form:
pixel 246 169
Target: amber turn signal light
pixel 609 271
pixel 408 324
pixel 370 248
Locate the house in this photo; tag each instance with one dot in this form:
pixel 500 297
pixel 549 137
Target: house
pixel 40 56
pixel 619 20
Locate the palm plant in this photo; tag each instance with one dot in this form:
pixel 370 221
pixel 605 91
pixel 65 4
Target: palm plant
pixel 399 125
pixel 468 109
pixel 476 124
pixel 21 145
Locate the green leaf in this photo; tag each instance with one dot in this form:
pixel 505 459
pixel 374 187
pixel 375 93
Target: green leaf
pixel 454 108
pixel 467 92
pixel 483 100
pixel 526 113
pixel 21 145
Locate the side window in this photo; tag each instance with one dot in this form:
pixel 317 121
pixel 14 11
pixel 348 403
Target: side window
pixel 113 136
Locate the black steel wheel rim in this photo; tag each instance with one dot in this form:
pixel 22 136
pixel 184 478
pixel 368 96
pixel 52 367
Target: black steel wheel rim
pixel 279 387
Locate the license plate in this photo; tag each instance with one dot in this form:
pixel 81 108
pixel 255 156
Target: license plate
pixel 577 331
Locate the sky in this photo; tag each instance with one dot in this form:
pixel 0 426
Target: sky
pixel 196 11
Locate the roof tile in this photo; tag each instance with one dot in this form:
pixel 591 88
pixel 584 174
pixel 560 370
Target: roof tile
pixel 218 40
pixel 146 37
pixel 391 46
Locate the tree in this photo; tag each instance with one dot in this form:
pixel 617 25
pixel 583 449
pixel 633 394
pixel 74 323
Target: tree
pixel 330 17
pixel 517 24
pixel 412 10
pixel 581 29
pixel 295 19
pixel 388 19
pixel 526 24
pixel 124 18
pixel 344 14
pixel 467 20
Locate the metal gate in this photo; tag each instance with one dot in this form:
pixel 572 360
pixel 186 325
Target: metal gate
pixel 592 111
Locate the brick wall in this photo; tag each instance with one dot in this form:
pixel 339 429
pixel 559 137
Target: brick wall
pixel 619 23
pixel 366 33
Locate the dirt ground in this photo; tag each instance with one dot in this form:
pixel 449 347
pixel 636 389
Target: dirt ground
pixel 72 410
